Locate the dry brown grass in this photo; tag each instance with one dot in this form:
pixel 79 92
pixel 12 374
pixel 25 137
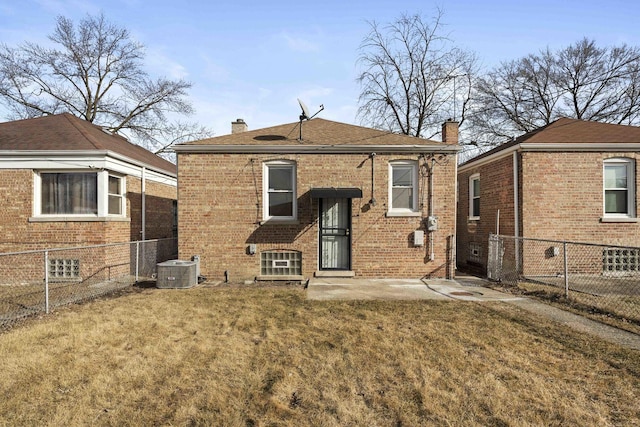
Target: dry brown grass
pixel 620 311
pixel 268 357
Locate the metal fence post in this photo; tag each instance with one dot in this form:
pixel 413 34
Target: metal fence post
pixel 46 282
pixel 566 270
pixel 137 258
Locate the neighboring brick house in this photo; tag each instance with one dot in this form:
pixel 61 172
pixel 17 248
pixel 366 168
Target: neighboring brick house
pixel 571 180
pixel 330 199
pixel 65 182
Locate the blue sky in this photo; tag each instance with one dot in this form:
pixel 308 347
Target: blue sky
pixel 252 59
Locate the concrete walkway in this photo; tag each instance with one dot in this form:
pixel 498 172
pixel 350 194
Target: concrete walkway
pixel 465 288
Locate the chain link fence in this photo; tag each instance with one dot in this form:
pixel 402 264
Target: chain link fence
pixel 35 282
pixel 602 279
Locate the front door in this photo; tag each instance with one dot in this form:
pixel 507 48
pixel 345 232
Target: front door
pixel 335 234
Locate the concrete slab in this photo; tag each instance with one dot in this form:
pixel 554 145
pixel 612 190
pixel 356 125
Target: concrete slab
pixel 326 288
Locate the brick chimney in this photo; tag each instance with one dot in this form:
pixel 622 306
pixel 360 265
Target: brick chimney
pixel 450 132
pixel 239 126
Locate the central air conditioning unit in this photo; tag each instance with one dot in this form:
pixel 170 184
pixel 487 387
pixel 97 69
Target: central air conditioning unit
pixel 177 274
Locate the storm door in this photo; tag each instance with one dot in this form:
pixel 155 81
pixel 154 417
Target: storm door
pixel 335 234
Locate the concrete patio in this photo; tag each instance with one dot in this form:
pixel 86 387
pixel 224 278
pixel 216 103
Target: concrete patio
pixel 466 289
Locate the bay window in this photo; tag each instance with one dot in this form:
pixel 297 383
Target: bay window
pixel 79 193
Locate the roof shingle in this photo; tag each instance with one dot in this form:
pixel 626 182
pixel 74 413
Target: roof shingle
pixel 65 132
pixel 314 132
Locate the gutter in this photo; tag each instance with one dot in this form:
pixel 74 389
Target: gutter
pixel 317 149
pixel 84 154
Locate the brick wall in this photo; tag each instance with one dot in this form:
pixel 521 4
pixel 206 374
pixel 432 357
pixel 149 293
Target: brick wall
pixel 561 198
pixel 19 234
pixel 221 208
pixel 496 194
pixel 159 200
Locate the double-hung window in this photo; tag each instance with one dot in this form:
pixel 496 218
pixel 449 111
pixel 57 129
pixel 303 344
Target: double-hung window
pixel 279 193
pixel 474 197
pixel 80 194
pixel 619 190
pixel 116 195
pixel 403 187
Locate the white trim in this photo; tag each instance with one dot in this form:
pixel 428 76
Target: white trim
pixel 78 218
pixel 625 219
pixel 318 149
pixel 407 214
pixel 265 191
pixel 629 165
pixel 42 160
pixel 80 154
pixel 472 178
pixel 391 211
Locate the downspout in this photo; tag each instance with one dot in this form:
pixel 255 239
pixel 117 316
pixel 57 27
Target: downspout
pixel 516 209
pixel 432 255
pixel 143 212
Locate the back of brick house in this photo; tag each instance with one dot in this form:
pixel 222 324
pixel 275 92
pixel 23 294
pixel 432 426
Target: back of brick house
pixel 342 200
pixel 571 180
pixel 64 182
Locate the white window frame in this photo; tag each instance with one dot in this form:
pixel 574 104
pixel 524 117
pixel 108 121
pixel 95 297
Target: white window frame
pixel 629 165
pixel 121 195
pixel 473 196
pixel 103 195
pixel 415 210
pixel 266 191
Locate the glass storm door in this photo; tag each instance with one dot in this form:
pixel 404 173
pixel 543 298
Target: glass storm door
pixel 335 234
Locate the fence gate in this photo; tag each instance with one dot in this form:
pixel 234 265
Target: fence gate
pixel 495 256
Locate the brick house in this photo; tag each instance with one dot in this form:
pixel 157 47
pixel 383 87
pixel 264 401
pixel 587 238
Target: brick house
pixel 571 180
pixel 65 182
pixel 318 198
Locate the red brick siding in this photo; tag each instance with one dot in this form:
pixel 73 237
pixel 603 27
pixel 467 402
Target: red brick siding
pixel 159 208
pixel 562 199
pixel 496 194
pixel 19 234
pixel 221 207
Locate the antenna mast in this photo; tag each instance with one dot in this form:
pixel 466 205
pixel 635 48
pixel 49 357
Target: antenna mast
pixel 305 115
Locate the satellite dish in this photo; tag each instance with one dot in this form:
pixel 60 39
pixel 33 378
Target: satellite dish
pixel 305 114
pixel 305 111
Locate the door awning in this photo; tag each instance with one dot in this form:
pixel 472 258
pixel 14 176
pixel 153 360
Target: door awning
pixel 336 193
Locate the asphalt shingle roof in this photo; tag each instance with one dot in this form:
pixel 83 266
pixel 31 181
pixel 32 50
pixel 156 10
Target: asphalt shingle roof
pixel 314 132
pixel 65 132
pixel 571 131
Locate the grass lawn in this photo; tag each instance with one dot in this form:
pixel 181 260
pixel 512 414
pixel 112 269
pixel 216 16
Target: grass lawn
pixel 268 357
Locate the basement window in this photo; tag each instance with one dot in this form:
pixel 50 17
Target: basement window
pixel 64 269
pixel 621 261
pixel 281 263
pixel 475 253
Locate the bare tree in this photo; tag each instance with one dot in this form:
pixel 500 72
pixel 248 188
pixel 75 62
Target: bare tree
pixel 581 81
pixel 94 72
pixel 412 77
